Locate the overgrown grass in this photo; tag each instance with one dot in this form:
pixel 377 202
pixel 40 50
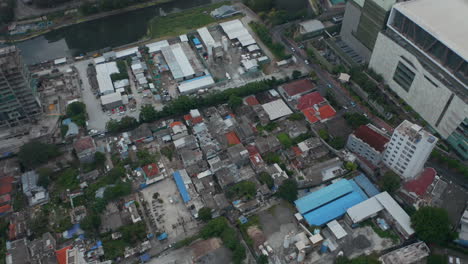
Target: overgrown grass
pixel 181 22
pixel 276 48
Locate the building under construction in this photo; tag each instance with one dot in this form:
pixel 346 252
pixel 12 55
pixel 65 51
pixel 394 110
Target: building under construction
pixel 18 101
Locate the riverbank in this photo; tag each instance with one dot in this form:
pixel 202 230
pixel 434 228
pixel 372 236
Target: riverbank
pixel 79 20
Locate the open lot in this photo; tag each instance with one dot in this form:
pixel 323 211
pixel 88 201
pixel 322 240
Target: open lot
pixel 452 197
pixel 171 217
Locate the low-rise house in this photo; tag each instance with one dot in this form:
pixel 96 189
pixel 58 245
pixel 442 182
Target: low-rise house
pixel 190 157
pixel 245 130
pixel 18 252
pixel 267 144
pixel 411 254
pixel 77 214
pixel 294 128
pixel 152 173
pixel 368 142
pixel 294 90
pixel 141 134
pixel 238 155
pixel 36 194
pixel 85 149
pixel 311 28
pixel 132 209
pixel 227 176
pixel 179 130
pixel 42 249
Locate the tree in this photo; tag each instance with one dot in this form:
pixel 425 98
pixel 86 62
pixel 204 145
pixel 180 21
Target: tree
pixel 128 123
pixel 168 152
pixel 234 101
pixel 262 259
pixel 77 112
pixel 351 166
pixel 313 76
pixel 296 74
pixel 285 140
pixel 205 214
pixel 324 134
pixel 99 159
pixel 148 114
pixel 390 182
pixel 432 225
pixel 35 153
pixel 357 260
pixel 91 223
pixel 44 177
pixel 298 116
pixel 436 259
pixel 266 178
pixel 337 142
pixel 355 120
pixel 288 190
pixel 113 125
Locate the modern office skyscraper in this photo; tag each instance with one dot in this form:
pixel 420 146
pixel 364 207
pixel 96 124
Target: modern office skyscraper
pixel 423 57
pixel 18 102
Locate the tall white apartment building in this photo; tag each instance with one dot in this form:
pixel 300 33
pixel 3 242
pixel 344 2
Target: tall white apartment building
pixel 423 57
pixel 409 149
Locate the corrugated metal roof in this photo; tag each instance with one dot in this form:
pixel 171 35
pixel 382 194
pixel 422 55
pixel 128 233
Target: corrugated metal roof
pixel 276 109
pixel 364 210
pixel 366 185
pixel 395 210
pixel 323 196
pixel 103 72
pixel 337 229
pixel 181 186
pixel 195 84
pixel 177 61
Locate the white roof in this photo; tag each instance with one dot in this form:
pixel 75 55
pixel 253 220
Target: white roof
pixel 136 66
pixel 60 61
pixel 99 60
pixel 316 239
pixel 194 113
pixel 337 229
pixel 195 84
pixel 364 210
pixel 311 26
pixel 177 61
pixel 249 64
pixel 206 37
pixel 103 72
pixel 395 210
pixel 298 217
pixel 253 48
pixel 276 109
pixel 344 77
pixel 445 20
pixel 234 29
pixel 156 46
pixel 183 38
pixel 111 98
pixel 121 83
pixel 126 52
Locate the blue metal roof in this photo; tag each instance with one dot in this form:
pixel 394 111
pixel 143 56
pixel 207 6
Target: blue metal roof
pixel 162 236
pixel 196 41
pixel 181 186
pixel 323 196
pixel 333 210
pixel 145 257
pixel 357 189
pixel 368 187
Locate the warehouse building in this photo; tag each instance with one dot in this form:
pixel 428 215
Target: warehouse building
pixel 103 73
pixel 182 61
pixel 381 203
pixel 195 84
pixel 330 203
pixel 111 101
pixel 276 109
pixel 235 30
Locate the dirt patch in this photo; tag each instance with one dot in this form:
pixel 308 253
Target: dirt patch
pixel 203 247
pixel 256 235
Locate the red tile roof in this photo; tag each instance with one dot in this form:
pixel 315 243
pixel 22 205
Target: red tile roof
pixel 83 143
pixel 298 87
pixel 252 100
pixel 176 123
pixel 419 185
pixel 256 159
pixel 371 137
pixel 197 120
pixel 252 149
pixel 5 198
pixel 151 170
pixel 309 100
pixel 324 112
pixel 5 208
pixel 7 179
pixel 297 150
pixel 6 188
pixel 187 117
pixel 232 138
pixel 61 255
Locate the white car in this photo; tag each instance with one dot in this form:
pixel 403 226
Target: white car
pixel 306 62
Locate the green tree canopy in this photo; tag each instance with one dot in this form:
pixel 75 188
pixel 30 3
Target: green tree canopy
pixel 234 101
pixel 390 182
pixel 432 225
pixel 288 190
pixel 35 153
pixel 91 223
pixel 99 159
pixel 77 112
pixel 148 114
pixel 205 214
pixel 296 74
pixel 266 178
pixel 44 176
pixel 355 120
pixel 357 260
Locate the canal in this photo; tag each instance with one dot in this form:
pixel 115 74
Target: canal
pixel 114 31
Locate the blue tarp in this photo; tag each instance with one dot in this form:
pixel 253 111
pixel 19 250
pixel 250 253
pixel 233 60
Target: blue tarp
pixel 196 41
pixel 75 230
pixel 323 196
pixel 181 186
pixel 243 219
pixel 366 185
pixel 145 258
pixel 162 236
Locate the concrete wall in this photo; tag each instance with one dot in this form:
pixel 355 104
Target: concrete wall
pixel 425 98
pixel 360 147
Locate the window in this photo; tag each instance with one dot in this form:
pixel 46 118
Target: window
pixel 404 76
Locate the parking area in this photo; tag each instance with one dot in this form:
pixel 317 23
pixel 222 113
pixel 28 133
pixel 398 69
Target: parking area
pixel 168 213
